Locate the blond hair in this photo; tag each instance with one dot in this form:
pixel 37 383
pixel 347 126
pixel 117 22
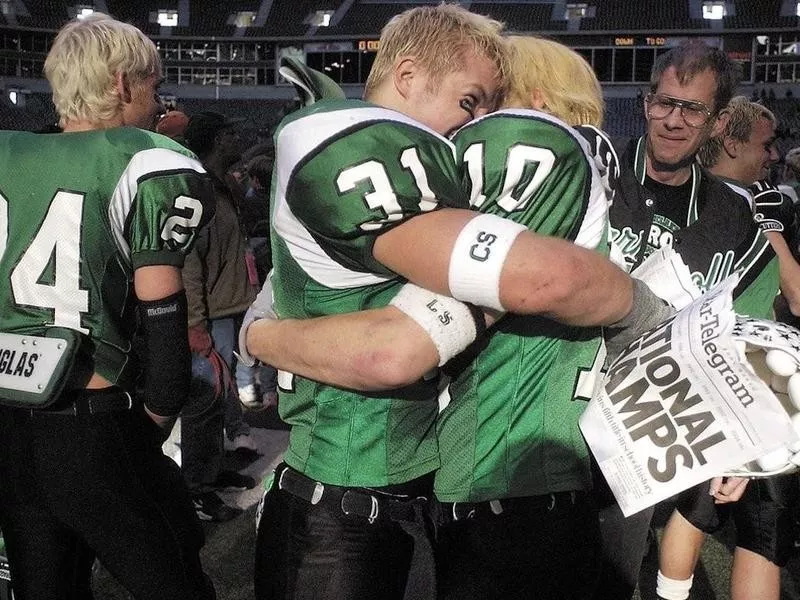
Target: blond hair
pixel 792 160
pixel 439 38
pixel 568 85
pixel 742 116
pixel 84 60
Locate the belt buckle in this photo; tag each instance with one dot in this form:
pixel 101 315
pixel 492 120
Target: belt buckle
pixel 316 495
pixel 374 509
pixel 456 517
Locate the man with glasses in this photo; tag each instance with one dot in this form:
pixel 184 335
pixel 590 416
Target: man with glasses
pixel 741 157
pixel 663 198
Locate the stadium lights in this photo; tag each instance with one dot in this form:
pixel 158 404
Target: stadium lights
pixel 797 9
pixel 244 18
pixel 168 18
pixel 575 11
pixel 791 48
pixel 321 18
pixel 84 11
pixel 16 96
pixel 713 11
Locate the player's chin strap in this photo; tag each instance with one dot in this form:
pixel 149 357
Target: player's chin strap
pixel 311 85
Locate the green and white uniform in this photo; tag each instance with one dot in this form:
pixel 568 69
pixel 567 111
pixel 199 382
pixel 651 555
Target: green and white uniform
pixel 346 172
pixel 79 233
pixel 511 428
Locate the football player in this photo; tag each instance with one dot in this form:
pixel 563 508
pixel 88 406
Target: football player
pixel 94 226
pixel 551 187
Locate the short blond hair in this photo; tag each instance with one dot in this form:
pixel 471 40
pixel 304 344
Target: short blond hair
pixel 742 116
pixel 792 160
pixel 84 60
pixel 567 83
pixel 439 37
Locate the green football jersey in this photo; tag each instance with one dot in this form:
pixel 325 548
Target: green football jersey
pixel 79 212
pixel 345 172
pixel 510 428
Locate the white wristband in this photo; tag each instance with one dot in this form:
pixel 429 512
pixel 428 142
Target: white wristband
pixel 449 323
pixel 478 257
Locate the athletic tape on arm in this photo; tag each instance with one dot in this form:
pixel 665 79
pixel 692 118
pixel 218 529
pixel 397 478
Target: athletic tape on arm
pixel 451 325
pixel 478 257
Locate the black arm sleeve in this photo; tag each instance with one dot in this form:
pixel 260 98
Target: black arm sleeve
pixel 166 360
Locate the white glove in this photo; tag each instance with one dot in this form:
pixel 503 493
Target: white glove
pixel 261 308
pixel 772 351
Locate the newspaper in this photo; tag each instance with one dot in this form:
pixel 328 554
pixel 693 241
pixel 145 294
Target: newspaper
pixel 668 276
pixel 678 407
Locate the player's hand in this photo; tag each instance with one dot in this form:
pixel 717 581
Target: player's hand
pixel 647 312
pixel 200 341
pixel 262 308
pixel 727 489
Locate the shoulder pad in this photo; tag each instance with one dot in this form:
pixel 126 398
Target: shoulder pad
pixel 311 85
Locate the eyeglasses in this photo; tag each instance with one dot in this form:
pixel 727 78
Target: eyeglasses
pixel 695 114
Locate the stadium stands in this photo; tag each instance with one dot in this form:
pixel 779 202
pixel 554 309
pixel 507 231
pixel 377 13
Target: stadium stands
pixel 290 17
pixel 214 18
pixel 522 16
pixel 37 113
pixel 624 117
pixel 259 114
pixel 138 13
pixel 641 15
pixel 368 18
pixel 764 13
pixel 44 14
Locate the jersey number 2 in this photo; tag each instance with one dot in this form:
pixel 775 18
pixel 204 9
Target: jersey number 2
pixel 58 243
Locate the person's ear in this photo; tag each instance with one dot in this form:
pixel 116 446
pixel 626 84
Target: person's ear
pixel 720 123
pixel 730 146
pixel 404 73
pixel 123 87
pixel 537 99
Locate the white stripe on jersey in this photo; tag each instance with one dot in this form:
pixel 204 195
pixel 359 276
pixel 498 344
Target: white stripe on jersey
pixel 743 192
pixel 152 160
pixel 296 141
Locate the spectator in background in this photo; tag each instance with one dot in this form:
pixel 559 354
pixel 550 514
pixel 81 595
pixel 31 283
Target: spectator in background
pixel 218 290
pixel 173 125
pixel 254 212
pixel 741 157
pixel 258 385
pixel 791 175
pixel 263 145
pixel 663 199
